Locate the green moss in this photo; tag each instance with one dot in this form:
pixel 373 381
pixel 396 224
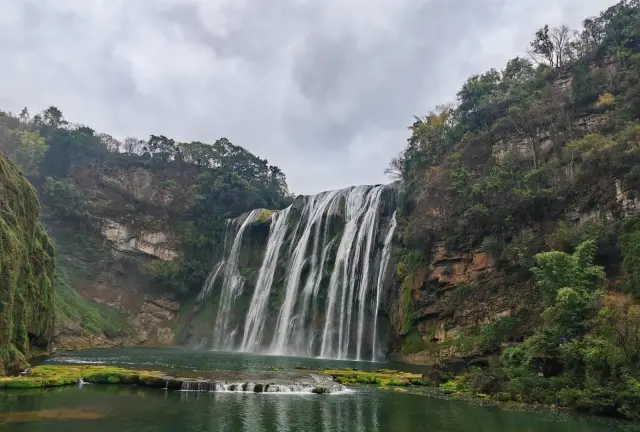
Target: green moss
pixel 413 342
pixel 54 376
pixel 264 217
pixel 454 386
pixel 91 316
pixel 382 377
pixel 406 307
pixel 26 268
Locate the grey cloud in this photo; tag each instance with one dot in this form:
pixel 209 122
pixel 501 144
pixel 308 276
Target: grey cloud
pixel 324 89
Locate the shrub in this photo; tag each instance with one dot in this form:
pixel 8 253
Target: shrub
pixel 486 381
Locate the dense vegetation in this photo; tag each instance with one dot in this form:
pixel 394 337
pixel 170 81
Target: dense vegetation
pixel 215 182
pixel 27 257
pixel 538 164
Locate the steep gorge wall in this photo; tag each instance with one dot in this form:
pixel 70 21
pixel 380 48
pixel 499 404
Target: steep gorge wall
pixel 463 287
pixel 27 257
pixel 128 223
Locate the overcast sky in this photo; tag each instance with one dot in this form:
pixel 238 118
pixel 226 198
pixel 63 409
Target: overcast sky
pixel 325 89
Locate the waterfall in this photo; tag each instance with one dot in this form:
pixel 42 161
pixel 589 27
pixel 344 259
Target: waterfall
pixel 254 324
pixel 384 261
pixel 231 287
pixel 314 280
pixel 343 278
pixel 315 209
pixel 367 230
pixel 210 282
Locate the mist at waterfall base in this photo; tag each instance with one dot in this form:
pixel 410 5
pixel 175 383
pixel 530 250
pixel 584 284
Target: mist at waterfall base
pixel 308 280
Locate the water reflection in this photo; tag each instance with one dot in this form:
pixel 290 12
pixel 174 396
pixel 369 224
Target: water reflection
pixel 285 412
pixel 139 409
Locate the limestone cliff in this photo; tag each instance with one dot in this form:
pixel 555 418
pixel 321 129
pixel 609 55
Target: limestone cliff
pixel 526 164
pixel 129 222
pixel 27 257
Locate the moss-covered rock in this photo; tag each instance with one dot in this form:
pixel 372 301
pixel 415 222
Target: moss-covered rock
pixel 27 257
pixel 55 376
pixel 382 377
pixel 264 217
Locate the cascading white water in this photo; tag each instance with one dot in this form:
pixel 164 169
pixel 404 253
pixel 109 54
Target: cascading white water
pixel 384 261
pixel 368 226
pixel 231 287
pixel 254 324
pixel 316 209
pixel 210 282
pixel 343 278
pixel 326 251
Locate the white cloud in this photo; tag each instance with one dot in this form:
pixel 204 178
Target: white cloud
pixel 324 89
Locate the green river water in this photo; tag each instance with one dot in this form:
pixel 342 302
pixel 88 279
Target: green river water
pixel 92 407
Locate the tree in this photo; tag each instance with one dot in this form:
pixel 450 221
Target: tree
pixel 162 147
pixel 556 270
pixel 53 117
pixel 619 322
pixel 133 145
pixel 570 284
pixel 395 170
pixel 552 46
pixel 478 100
pixel 31 151
pixel 517 73
pixel 24 115
pixel 110 143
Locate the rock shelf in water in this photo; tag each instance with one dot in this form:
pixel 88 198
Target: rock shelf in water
pixel 54 376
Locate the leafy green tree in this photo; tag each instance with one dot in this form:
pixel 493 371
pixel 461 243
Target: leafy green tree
pixel 557 270
pixel 53 117
pixel 31 151
pixel 479 100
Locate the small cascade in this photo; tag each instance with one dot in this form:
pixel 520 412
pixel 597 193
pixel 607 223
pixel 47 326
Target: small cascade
pixel 210 282
pixel 318 285
pixel 323 386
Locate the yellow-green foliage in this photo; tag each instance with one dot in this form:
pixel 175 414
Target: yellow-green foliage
pixel 382 377
pixel 54 376
pixel 605 100
pixel 454 386
pixel 26 271
pixel 264 217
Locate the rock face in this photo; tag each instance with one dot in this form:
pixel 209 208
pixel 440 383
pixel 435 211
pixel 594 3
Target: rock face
pixel 457 293
pixel 151 324
pixel 154 243
pixel 26 273
pixel 131 224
